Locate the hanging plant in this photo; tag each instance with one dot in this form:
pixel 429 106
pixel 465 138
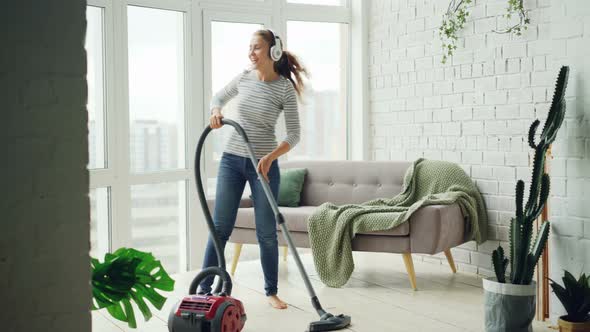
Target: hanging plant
pixel 456 15
pixel 453 21
pixel 516 7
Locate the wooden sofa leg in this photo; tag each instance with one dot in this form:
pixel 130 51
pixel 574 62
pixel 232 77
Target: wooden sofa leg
pixel 237 252
pixel 285 253
pixel 410 268
pixel 450 260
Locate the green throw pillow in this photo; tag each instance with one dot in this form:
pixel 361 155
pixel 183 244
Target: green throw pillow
pixel 291 186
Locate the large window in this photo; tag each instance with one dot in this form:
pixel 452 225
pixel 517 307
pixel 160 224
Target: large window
pixel 157 75
pixel 137 81
pixel 152 68
pixel 156 89
pixel 323 49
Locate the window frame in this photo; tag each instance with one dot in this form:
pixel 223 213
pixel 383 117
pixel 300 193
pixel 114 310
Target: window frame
pixel 105 177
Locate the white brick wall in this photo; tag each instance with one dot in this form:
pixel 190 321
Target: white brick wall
pixel 483 101
pixel 44 245
pixel 570 241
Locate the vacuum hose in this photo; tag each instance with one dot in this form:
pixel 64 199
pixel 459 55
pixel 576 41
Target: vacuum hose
pixel 224 285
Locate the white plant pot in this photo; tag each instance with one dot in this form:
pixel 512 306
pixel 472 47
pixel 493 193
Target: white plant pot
pixel 508 307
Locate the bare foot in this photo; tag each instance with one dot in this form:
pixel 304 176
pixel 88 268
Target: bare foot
pixel 276 302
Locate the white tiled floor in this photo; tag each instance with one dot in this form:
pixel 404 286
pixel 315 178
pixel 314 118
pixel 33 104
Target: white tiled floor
pixel 378 297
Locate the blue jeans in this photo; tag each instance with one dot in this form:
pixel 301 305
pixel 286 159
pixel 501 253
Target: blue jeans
pixel 233 173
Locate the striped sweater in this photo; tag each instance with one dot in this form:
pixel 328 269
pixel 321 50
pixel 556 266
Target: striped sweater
pixel 258 107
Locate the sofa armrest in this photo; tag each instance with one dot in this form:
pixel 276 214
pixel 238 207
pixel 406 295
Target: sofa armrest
pixel 435 228
pixel 246 202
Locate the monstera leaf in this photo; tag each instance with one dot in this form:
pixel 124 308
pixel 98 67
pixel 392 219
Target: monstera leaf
pixel 129 275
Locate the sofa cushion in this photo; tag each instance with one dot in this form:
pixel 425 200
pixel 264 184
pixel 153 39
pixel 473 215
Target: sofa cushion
pixel 343 182
pixel 296 219
pixel 291 185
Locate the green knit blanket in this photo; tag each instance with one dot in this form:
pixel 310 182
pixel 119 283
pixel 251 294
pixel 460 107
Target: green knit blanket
pixel 427 182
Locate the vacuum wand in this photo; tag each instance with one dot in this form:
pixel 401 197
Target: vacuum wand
pixel 327 322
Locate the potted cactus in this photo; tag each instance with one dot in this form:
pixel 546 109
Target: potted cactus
pixel 510 303
pixel 575 297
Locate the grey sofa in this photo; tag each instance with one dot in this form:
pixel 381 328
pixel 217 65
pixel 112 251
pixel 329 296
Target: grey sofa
pixel 430 230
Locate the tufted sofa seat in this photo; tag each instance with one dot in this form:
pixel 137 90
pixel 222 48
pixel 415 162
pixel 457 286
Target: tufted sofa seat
pixel 430 230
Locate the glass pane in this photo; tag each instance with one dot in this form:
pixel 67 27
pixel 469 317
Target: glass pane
pixel 99 222
pixel 158 213
pixel 156 89
pixel 320 2
pixel 323 49
pixel 96 95
pixel 229 57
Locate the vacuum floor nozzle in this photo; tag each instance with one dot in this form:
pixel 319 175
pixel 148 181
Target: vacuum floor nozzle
pixel 330 322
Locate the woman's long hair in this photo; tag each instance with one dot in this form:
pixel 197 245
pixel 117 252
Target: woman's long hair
pixel 288 65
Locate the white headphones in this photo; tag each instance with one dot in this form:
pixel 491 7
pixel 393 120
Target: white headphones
pixel 276 50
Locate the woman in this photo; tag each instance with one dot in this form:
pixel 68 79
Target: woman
pixel 263 91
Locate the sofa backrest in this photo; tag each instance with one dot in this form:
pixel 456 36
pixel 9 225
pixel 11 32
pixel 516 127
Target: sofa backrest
pixel 343 182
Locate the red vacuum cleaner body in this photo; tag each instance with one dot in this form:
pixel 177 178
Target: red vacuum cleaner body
pixel 208 314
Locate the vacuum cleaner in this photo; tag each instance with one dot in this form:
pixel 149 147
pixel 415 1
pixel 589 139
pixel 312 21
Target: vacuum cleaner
pixel 218 311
